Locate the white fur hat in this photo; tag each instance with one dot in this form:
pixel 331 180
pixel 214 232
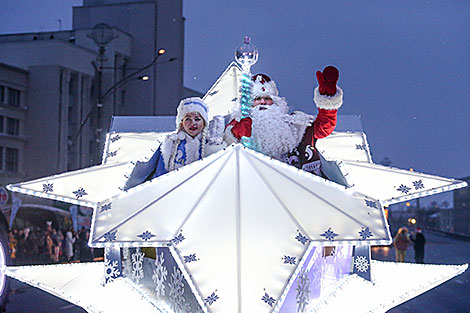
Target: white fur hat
pixel 263 86
pixel 189 105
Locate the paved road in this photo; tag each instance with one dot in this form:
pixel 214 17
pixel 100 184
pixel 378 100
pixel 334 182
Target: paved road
pixel 450 297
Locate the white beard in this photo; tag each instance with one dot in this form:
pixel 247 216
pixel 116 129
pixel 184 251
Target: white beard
pixel 272 134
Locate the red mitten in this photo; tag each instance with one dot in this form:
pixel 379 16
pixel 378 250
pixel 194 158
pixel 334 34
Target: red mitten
pixel 242 128
pixel 327 80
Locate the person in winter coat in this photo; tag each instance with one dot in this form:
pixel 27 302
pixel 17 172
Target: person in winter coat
pixel 188 143
pixel 289 137
pixel 69 241
pixel 418 244
pixel 401 242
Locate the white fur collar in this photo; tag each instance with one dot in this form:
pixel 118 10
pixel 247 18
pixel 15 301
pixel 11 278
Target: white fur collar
pixel 191 147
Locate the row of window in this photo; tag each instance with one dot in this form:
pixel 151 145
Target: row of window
pixel 10 155
pixel 10 126
pixel 9 96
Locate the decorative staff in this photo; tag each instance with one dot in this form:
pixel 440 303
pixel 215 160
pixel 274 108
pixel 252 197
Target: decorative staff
pixel 246 55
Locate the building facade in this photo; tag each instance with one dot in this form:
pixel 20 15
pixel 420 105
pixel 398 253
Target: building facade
pixel 60 89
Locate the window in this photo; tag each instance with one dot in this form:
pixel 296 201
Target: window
pixel 11 160
pixel 13 97
pixel 1 124
pixel 2 94
pixel 1 158
pixel 13 126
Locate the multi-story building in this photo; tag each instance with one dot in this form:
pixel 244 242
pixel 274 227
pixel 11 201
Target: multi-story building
pixel 60 89
pixel 461 211
pixel 68 82
pixel 13 86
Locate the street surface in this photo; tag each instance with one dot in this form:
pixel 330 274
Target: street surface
pixel 450 297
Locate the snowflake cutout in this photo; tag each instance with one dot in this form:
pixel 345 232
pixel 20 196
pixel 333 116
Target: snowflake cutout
pixel 418 184
pixel 111 154
pixel 110 236
pixel 269 300
pixel 371 204
pixel 301 238
pixel 211 299
pixel 361 264
pixel 365 233
pixel 361 147
pixel 176 286
pixel 48 187
pixel 178 239
pixel 329 234
pixel 137 265
pixel 303 290
pixel 404 189
pixel 159 276
pixel 213 93
pixel 289 259
pixel 190 258
pixel 146 235
pixel 80 193
pixel 115 138
pixel 105 207
pixel 111 270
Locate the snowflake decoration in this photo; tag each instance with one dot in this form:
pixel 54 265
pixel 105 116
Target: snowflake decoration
pixel 137 265
pixel 371 204
pixel 289 259
pixel 105 207
pixel 190 258
pixel 418 184
pixel 47 187
pixel 329 234
pixel 213 93
pixel 303 239
pixel 146 235
pixel 211 299
pixel 361 264
pixel 178 239
pixel 159 276
pixel 80 193
pixel 303 290
pixel 404 189
pixel 361 147
pixel 269 300
pixel 110 236
pixel 365 233
pixel 111 270
pixel 176 286
pixel 111 154
pixel 115 138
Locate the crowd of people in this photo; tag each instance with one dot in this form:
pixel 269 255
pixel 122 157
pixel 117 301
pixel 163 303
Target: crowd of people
pixel 34 245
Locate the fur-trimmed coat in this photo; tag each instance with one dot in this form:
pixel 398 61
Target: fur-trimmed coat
pixel 291 138
pixel 188 150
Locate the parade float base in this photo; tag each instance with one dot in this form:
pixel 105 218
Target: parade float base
pixel 82 284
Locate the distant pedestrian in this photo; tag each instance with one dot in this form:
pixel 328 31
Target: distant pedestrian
pixel 69 241
pixel 401 242
pixel 418 244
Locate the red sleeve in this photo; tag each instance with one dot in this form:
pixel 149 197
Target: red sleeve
pixel 325 123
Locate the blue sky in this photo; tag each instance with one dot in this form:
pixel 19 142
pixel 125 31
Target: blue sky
pixel 404 65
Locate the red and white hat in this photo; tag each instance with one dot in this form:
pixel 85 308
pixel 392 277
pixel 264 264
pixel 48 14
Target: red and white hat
pixel 263 86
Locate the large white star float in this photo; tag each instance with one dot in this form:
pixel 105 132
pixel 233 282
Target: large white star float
pixel 236 231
